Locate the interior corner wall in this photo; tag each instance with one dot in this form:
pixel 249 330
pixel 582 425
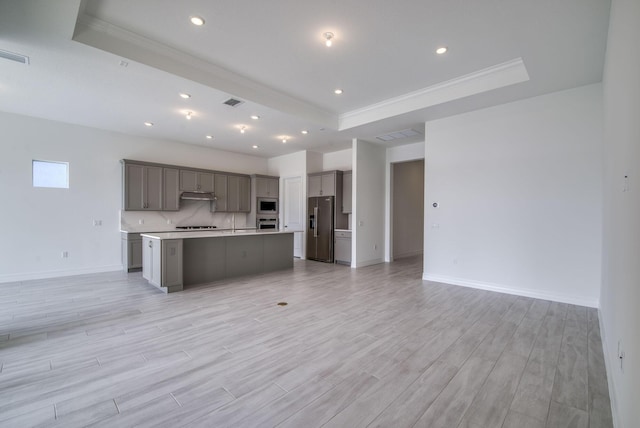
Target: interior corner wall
pixel 368 206
pixel 620 294
pixel 40 223
pixel 518 188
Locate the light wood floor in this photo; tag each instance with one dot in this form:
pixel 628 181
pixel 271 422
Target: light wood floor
pixel 375 346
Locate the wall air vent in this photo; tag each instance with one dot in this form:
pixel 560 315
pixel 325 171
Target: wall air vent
pixel 232 102
pixel 397 135
pixel 22 59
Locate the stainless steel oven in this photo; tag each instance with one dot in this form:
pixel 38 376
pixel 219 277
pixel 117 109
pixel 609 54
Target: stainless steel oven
pixel 267 206
pixel 267 222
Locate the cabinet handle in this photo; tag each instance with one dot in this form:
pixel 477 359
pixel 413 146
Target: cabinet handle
pixel 198 187
pixel 150 244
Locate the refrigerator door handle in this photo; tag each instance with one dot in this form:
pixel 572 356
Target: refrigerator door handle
pixel 315 215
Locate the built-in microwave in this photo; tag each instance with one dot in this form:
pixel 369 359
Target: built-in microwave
pixel 267 206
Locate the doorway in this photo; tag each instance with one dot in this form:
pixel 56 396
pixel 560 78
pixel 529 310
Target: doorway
pixel 407 209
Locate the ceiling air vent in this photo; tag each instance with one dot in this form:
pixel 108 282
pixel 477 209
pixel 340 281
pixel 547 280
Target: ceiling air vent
pixel 22 59
pixel 405 133
pixel 232 102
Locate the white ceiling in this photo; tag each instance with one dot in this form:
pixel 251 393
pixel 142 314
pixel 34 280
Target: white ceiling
pixel 114 64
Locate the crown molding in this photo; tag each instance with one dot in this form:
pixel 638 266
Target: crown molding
pixel 494 77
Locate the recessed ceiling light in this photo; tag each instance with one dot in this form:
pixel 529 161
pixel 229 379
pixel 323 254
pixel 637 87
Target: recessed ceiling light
pixel 255 117
pixel 197 20
pixel 188 115
pixel 337 91
pixel 148 124
pixel 328 36
pixel 254 146
pixel 441 50
pixel 209 137
pixel 305 132
pixel 185 95
pixel 242 129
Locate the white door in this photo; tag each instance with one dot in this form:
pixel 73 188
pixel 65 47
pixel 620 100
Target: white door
pixel 293 211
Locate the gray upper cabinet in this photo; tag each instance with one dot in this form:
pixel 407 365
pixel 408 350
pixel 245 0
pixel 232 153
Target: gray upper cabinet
pixel 157 187
pixel 238 193
pixel 221 193
pixel 314 185
pixel 143 187
pixel 322 184
pixel 196 181
pixel 171 189
pixel 267 187
pixel 346 192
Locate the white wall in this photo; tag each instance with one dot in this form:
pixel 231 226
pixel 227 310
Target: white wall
pixel 519 188
pixel 340 160
pixel 368 203
pixel 620 296
pixel 404 153
pixel 38 224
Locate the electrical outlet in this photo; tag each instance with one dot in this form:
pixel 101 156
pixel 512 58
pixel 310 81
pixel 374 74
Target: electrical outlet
pixel 97 222
pixel 141 221
pixel 65 254
pixel 169 221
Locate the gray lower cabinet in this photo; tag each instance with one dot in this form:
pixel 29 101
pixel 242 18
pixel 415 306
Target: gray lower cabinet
pixel 342 247
pixel 143 187
pixel 131 251
pixel 169 264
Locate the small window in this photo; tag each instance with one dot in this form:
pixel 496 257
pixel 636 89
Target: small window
pixel 50 174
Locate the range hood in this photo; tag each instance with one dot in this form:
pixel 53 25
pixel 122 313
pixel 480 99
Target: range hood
pixel 198 196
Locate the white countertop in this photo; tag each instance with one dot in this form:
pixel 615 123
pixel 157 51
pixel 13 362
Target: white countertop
pixel 342 230
pixel 213 233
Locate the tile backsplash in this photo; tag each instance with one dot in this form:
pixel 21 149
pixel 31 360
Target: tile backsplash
pixel 192 213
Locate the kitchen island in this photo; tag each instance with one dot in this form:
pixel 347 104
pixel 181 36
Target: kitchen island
pixel 171 260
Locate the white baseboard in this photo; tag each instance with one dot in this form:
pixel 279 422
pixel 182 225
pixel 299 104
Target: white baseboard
pixel 367 263
pixel 500 288
pixel 609 364
pixel 57 273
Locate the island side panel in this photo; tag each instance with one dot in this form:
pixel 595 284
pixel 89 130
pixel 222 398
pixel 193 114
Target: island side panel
pixel 152 261
pixel 245 255
pixel 204 260
pixel 278 252
pixel 172 265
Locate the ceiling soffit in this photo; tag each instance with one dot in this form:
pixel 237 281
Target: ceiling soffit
pixel 119 41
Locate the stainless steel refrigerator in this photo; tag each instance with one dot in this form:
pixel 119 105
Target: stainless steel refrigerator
pixel 320 228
